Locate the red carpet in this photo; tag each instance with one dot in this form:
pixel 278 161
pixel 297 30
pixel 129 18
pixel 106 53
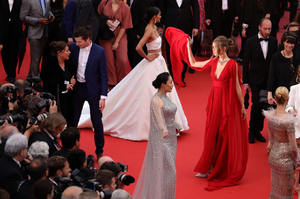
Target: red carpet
pixel 256 182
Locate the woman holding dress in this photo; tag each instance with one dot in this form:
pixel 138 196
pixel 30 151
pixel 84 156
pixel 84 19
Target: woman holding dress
pixel 225 152
pixel 126 114
pixel 158 174
pixel 284 155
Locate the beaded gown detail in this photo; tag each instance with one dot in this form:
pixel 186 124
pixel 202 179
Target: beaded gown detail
pixel 157 178
pixel 280 158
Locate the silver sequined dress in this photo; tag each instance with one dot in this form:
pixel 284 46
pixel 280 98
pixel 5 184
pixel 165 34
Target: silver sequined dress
pixel 280 159
pixel 157 178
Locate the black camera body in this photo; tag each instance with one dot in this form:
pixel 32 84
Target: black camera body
pixel 12 119
pixel 94 185
pixel 29 91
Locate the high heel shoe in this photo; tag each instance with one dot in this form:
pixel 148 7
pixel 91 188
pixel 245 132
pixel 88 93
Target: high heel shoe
pixel 200 175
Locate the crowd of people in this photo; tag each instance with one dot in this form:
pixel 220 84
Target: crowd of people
pixel 84 46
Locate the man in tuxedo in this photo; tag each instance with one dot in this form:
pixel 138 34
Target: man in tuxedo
pixel 10 33
pixel 87 14
pixel 88 64
pixel 138 8
pixel 37 15
pixel 181 14
pixel 51 127
pixel 258 51
pixel 220 14
pixel 11 173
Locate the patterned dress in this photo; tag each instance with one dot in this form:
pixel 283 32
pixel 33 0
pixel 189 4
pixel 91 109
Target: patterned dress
pixel 158 174
pixel 280 159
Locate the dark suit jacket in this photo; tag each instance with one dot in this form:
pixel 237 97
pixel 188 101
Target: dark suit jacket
pixel 213 9
pixel 2 145
pixel 184 18
pixel 70 18
pixel 95 72
pixel 87 15
pixel 251 15
pixel 272 6
pixel 258 71
pixel 63 152
pixel 25 189
pixel 14 16
pixel 138 10
pixel 43 136
pixel 10 175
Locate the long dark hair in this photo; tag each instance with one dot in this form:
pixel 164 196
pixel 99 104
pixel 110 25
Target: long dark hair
pixel 151 11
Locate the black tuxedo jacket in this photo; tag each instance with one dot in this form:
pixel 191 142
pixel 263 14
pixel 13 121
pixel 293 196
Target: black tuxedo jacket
pixel 258 71
pixel 185 17
pixel 2 145
pixel 25 189
pixel 43 136
pixel 10 175
pixel 213 9
pixel 63 152
pixel 272 6
pixel 14 16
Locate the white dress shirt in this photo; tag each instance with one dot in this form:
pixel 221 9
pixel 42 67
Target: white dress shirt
pixel 82 61
pixel 131 2
pixel 18 163
pixel 224 4
pixel 179 2
pixel 264 46
pixel 10 3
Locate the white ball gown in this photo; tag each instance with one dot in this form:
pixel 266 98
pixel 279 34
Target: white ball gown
pixel 127 108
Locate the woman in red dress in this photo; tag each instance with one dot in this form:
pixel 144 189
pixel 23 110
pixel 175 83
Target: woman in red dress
pixel 225 153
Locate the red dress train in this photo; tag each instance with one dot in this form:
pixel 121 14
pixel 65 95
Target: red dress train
pixel 226 129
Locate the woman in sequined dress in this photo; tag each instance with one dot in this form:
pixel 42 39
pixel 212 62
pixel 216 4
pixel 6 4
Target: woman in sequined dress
pixel 283 156
pixel 157 178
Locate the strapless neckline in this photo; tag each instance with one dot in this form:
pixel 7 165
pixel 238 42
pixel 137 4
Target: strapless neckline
pixel 153 40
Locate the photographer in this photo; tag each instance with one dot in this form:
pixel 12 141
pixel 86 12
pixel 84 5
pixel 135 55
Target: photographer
pixel 8 99
pixel 77 160
pixel 121 179
pixel 70 140
pixel 51 127
pixel 58 167
pixel 38 170
pixel 106 179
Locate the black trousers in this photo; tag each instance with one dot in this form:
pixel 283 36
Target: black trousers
pixel 80 95
pixel 275 21
pixel 133 56
pixel 222 26
pixel 10 51
pixel 256 123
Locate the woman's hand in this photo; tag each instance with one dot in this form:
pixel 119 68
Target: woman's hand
pixel 244 113
pixel 153 56
pixel 244 33
pixel 164 134
pixel 69 86
pixel 115 45
pixel 73 81
pixel 294 113
pixel 110 24
pixel 271 100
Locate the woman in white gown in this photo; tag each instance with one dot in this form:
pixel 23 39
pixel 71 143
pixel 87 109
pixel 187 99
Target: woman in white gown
pixel 126 114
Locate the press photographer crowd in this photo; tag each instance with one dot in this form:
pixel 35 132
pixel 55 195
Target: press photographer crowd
pixel 50 163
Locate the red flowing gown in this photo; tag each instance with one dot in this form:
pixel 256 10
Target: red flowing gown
pixel 225 129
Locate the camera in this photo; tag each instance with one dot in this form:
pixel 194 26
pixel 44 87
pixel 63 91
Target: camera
pixel 90 161
pixel 76 179
pixel 93 185
pixel 125 179
pixel 63 183
pixel 33 80
pixel 12 119
pixel 47 97
pixel 124 167
pixel 29 91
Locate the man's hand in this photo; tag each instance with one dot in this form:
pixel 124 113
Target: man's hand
pixel 268 15
pixel 121 185
pixel 52 107
pixel 43 21
pixel 294 113
pixel 101 104
pixel 236 20
pixel 208 21
pixel 70 40
pixel 1 47
pixel 244 33
pixel 51 19
pixel 195 32
pixel 160 31
pixel 3 125
pixel 246 86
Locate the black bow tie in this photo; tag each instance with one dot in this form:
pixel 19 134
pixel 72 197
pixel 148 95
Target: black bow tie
pixel 264 39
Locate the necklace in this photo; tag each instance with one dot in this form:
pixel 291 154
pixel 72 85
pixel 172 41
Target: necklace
pixel 222 62
pixel 284 54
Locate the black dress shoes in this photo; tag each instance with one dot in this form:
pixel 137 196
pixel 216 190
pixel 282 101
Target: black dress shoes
pixel 191 70
pixel 251 137
pixel 10 79
pixel 259 137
